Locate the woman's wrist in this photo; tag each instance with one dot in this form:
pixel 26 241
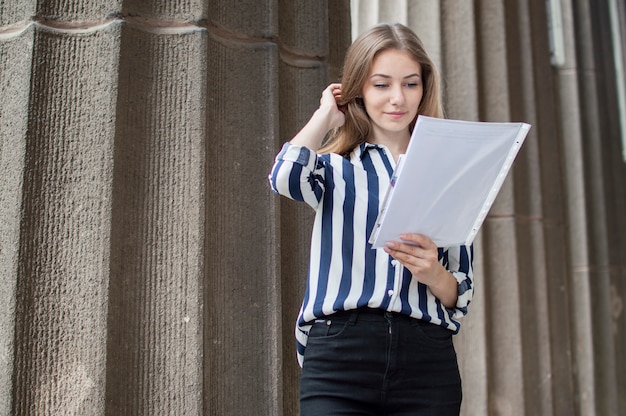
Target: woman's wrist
pixel 445 287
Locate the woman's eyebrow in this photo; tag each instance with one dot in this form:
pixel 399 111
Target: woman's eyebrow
pixel 389 76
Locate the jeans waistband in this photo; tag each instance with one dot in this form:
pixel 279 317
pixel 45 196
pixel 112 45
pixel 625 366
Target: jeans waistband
pixel 369 314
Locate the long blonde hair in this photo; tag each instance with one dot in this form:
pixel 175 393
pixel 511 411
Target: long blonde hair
pixel 357 65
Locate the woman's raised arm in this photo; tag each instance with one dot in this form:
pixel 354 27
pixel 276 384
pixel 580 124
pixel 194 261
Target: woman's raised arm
pixel 328 116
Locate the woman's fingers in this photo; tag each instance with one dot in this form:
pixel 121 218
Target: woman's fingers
pixel 415 251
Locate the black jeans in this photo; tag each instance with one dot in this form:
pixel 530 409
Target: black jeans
pixel 370 362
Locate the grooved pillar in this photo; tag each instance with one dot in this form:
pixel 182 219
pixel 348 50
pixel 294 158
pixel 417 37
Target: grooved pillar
pixel 63 272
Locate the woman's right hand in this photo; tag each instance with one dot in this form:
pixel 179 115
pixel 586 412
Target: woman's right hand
pixel 331 96
pixel 327 117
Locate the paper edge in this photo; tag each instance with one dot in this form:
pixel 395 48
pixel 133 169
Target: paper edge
pixel 500 178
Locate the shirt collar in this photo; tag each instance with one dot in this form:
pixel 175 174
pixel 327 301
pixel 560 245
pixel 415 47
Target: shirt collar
pixel 361 150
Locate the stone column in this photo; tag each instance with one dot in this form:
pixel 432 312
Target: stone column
pixel 155 337
pixel 16 51
pixel 64 250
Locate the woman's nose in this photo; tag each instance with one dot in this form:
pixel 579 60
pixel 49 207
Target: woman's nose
pixel 397 96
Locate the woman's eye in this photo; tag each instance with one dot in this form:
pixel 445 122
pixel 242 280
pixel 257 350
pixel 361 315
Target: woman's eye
pixel 412 84
pixel 380 85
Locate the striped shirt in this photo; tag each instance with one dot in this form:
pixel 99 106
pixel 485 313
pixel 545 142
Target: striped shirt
pixel 345 273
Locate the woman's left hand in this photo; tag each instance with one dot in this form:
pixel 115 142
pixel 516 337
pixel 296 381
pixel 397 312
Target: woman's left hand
pixel 420 256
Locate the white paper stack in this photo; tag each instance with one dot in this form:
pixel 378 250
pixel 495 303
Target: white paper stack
pixel 446 183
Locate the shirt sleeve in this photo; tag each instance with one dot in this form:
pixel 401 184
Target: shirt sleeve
pixel 459 262
pixel 298 174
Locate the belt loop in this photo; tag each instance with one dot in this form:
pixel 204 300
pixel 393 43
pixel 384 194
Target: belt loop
pixel 353 316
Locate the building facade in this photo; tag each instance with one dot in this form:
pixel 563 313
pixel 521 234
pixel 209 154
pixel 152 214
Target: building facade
pixel 147 269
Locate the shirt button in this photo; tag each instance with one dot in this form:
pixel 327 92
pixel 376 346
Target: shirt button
pixel 390 293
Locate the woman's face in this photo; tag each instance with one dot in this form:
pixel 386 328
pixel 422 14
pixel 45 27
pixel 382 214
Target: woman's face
pixel 392 93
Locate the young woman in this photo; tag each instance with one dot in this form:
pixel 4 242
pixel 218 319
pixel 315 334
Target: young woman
pixel 374 334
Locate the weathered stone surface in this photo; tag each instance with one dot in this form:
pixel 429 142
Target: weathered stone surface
pixel 14 95
pixel 63 272
pixel 157 251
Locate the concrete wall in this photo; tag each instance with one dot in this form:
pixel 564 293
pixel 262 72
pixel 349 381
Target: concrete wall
pixel 148 270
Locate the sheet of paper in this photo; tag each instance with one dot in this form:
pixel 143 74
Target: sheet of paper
pixel 448 180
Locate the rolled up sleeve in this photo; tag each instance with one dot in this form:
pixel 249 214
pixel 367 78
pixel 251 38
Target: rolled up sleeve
pixel 460 261
pixel 298 174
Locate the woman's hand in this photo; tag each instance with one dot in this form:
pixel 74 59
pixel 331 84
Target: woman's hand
pixel 327 117
pixel 331 96
pixel 419 255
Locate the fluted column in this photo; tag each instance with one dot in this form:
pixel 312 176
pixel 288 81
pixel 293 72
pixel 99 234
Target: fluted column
pixel 16 51
pixel 576 194
pixel 503 257
pixel 241 281
pixel 303 69
pixel 592 270
pixel 63 273
pixel 424 17
pixel 258 258
pixel 156 297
